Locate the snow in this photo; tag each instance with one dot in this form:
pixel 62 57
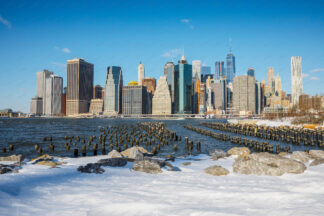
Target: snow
pixel 265 122
pixel 40 190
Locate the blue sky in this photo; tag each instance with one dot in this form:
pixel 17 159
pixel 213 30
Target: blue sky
pixel 35 35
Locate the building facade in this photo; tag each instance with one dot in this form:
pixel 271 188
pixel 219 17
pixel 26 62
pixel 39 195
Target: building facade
pixel 140 73
pixel 97 92
pixel 135 100
pixel 244 94
pixel 219 70
pixel 196 68
pixel 53 95
pixel 96 106
pixel 36 106
pixel 41 86
pixel 150 84
pixel 251 72
pixel 113 91
pixel 169 73
pixel 79 86
pixel 161 103
pixel 296 79
pixel 183 87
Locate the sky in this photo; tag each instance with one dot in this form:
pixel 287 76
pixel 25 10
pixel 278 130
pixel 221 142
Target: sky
pixel 36 35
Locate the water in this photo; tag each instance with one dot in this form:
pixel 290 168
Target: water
pixel 25 133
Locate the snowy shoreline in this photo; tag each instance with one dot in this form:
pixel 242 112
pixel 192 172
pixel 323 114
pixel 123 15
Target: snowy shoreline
pixel 42 190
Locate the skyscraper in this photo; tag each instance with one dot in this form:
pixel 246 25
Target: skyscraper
pixel 162 98
pixel 230 67
pixel 97 92
pixel 196 68
pixel 135 100
pixel 41 86
pixel 79 86
pixel 219 70
pixel 169 73
pixel 244 94
pixel 53 95
pixel 183 87
pixel 113 90
pixel 296 79
pixel 140 73
pixel 251 72
pixel 205 73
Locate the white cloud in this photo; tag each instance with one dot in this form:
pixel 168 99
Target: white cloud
pixel 316 70
pixel 313 78
pixel 187 22
pixel 172 53
pixel 66 50
pixel 305 75
pixel 5 22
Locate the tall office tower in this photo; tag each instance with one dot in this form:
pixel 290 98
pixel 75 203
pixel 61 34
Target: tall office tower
pixel 258 97
pixel 278 89
pixel 150 84
pixel 36 106
pixel 183 87
pixel 219 94
pixel 79 86
pixel 205 73
pixel 162 104
pixel 113 91
pixel 296 79
pixel 244 94
pixel 195 98
pixel 196 68
pixel 219 70
pixel 41 86
pixel 169 73
pixel 251 72
pixel 270 82
pixel 140 73
pixel 135 100
pixel 53 95
pixel 97 92
pixel 230 67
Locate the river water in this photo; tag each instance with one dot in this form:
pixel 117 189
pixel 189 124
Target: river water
pixel 23 134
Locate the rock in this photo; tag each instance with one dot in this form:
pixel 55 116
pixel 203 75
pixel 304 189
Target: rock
pixel 216 171
pixel 267 164
pixel 127 152
pixel 217 154
pixel 41 158
pixel 113 162
pixel 186 163
pixel 136 154
pixel 283 154
pixel 91 168
pixel 5 169
pixel 300 156
pixel 17 158
pixel 114 154
pixel 316 154
pixel 47 163
pixel 147 166
pixel 240 151
pixel 317 162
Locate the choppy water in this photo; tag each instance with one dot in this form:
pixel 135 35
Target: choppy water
pixel 25 133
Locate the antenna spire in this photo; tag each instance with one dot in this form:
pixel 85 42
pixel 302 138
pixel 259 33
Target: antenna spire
pixel 230 45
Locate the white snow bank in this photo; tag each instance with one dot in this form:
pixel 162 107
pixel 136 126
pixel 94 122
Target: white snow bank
pixel 40 190
pixel 272 123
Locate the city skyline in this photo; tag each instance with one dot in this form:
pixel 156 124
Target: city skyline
pixel 30 45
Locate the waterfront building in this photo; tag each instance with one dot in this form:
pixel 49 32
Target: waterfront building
pixel 196 68
pixel 97 92
pixel 64 102
pixel 135 100
pixel 219 93
pixel 140 73
pixel 183 87
pixel 251 72
pixel 169 73
pixel 162 104
pixel 53 95
pixel 36 106
pixel 79 86
pixel 219 70
pixel 296 79
pixel 258 96
pixel 96 106
pixel 113 91
pixel 230 67
pixel 244 94
pixel 150 84
pixel 41 86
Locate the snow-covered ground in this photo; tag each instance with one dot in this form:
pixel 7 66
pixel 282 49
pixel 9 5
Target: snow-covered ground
pixel 40 190
pixel 272 123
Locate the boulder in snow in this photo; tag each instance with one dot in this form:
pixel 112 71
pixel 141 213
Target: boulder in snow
pixel 91 168
pixel 316 154
pixel 317 162
pixel 216 170
pixel 17 158
pixel 135 153
pixel 114 154
pixel 300 156
pixel 113 162
pixel 240 151
pixel 47 163
pixel 217 154
pixel 267 164
pixel 147 166
pixel 186 163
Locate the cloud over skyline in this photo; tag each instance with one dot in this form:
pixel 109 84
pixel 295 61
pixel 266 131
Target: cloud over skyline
pixel 172 53
pixel 187 22
pixel 5 22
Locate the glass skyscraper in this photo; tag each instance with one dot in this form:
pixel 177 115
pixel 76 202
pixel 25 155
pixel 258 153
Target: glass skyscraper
pixel 219 70
pixel 250 72
pixel 230 67
pixel 183 87
pixel 169 73
pixel 113 90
